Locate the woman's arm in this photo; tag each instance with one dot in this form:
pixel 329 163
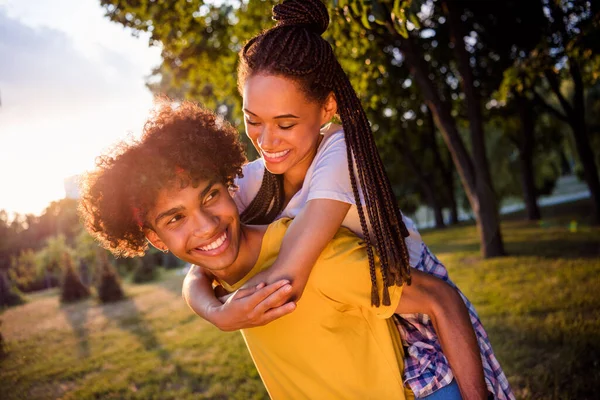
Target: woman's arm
pixel 308 234
pixel 255 306
pixel 434 297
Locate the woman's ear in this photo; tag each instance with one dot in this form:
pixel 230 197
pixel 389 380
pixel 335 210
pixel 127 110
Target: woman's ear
pixel 155 240
pixel 329 108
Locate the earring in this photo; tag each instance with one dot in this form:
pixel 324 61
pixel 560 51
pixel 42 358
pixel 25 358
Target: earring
pixel 165 251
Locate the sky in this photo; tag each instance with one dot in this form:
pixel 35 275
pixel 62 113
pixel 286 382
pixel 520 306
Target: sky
pixel 72 83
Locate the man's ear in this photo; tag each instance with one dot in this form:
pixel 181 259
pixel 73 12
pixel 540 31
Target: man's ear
pixel 155 240
pixel 329 108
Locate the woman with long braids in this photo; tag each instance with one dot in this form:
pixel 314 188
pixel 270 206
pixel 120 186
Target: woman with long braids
pixel 292 85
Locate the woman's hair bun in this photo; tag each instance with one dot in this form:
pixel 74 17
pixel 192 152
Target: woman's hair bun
pixel 311 14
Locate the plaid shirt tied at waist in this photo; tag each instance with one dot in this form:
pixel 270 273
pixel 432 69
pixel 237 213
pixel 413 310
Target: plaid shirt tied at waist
pixel 426 369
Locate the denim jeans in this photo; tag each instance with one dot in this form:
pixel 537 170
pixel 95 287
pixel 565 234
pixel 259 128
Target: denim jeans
pixel 448 392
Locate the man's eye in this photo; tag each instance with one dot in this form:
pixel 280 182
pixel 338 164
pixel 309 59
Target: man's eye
pixel 211 195
pixel 286 127
pixel 175 219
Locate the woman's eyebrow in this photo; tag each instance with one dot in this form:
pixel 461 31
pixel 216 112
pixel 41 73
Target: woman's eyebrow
pixel 277 117
pixel 286 116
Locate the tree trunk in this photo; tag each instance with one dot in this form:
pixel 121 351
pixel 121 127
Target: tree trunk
pixel 477 189
pixel 526 158
pixel 487 211
pixel 426 184
pixel 582 141
pixel 452 198
pixel 576 119
pixel 446 171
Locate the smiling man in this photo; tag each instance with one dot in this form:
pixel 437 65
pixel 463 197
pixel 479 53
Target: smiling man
pixel 173 188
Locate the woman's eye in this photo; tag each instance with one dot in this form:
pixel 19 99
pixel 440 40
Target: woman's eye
pixel 286 127
pixel 253 123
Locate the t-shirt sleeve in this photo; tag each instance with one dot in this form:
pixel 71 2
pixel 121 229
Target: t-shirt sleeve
pixel 342 274
pixel 249 184
pixel 330 178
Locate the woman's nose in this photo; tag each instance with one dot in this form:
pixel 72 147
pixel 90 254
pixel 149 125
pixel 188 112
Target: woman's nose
pixel 268 140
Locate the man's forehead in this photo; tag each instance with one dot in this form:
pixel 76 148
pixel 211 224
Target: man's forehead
pixel 175 195
pixel 177 190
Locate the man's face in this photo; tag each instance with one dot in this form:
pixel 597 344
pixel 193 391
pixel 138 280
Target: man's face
pixel 199 225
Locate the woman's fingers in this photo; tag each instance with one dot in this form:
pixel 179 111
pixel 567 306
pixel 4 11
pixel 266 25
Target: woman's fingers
pixel 276 299
pixel 277 312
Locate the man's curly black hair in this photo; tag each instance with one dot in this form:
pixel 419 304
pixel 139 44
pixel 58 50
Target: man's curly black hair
pixel 181 145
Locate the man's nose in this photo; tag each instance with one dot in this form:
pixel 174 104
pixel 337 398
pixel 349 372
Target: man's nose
pixel 205 224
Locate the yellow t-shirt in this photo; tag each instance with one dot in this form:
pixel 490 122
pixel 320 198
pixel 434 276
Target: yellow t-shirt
pixel 335 345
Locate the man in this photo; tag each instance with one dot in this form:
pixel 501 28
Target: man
pixel 172 189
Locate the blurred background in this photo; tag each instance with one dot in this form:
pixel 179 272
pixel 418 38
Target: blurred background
pixel 486 114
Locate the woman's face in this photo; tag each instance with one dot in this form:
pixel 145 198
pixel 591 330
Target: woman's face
pixel 282 123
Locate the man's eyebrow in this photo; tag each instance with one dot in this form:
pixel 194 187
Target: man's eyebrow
pixel 167 213
pixel 205 191
pixel 277 117
pixel 175 210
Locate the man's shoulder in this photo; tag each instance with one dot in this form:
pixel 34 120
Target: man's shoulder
pixel 345 250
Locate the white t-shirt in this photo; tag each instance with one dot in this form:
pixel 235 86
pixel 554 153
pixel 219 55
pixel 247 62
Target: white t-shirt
pixel 326 178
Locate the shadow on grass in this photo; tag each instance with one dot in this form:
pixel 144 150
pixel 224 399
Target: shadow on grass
pixel 555 248
pixel 569 371
pixel 128 318
pixel 76 315
pixel 580 210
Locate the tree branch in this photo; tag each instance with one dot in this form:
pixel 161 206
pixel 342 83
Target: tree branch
pixel 555 86
pixel 538 99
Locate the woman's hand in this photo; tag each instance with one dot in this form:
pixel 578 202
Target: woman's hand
pixel 251 307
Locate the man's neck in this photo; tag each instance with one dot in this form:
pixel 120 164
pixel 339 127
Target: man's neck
pixel 250 245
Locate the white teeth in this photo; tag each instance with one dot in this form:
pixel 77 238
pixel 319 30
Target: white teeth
pixel 275 155
pixel 215 244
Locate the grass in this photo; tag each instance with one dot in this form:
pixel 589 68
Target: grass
pixel 540 305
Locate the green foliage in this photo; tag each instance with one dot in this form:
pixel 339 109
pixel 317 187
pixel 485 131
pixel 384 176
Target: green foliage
pixel 50 258
pixel 24 271
pixel 9 295
pixel 399 15
pixel 147 270
pixel 2 344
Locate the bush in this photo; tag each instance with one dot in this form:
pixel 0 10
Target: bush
pixel 2 347
pixel 109 285
pixel 72 288
pixel 146 271
pixel 9 294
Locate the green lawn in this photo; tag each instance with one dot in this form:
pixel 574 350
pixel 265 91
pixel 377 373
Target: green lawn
pixel 540 305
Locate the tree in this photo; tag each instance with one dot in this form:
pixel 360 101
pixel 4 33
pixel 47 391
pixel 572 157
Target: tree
pixel 71 289
pixel 407 28
pixel 51 257
pixel 566 56
pixel 109 285
pixel 9 231
pixel 24 271
pixel 147 269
